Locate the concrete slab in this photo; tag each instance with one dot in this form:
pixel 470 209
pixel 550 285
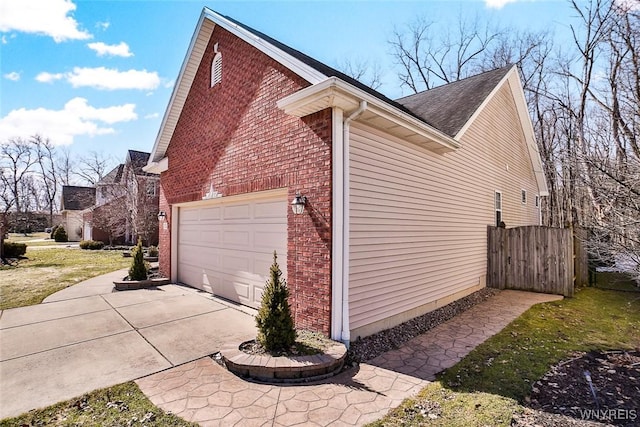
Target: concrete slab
pixel 48 377
pixel 95 286
pixel 55 310
pixel 167 309
pixel 37 337
pixel 187 339
pixel 139 296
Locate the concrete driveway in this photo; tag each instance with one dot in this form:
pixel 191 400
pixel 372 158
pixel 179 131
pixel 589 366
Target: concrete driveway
pixel 87 337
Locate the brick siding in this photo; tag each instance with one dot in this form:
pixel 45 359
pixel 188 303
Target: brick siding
pixel 234 137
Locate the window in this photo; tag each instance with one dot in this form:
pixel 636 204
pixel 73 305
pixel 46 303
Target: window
pixel 216 67
pixel 151 188
pixel 498 208
pixel 524 197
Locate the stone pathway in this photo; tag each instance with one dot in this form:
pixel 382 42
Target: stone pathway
pixel 448 343
pixel 203 392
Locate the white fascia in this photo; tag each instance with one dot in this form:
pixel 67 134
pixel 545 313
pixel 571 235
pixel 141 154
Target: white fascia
pixel 334 92
pixel 157 167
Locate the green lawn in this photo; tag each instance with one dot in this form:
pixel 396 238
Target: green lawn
pixel 46 271
pixel 120 405
pixel 496 377
pixel 34 239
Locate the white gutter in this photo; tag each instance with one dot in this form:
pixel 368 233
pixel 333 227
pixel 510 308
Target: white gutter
pixel 345 335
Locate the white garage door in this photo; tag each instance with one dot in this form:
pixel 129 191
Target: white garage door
pixel 226 247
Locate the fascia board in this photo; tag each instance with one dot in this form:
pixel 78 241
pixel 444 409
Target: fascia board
pixel 182 85
pixel 335 89
pixel 529 134
pixel 303 70
pixel 157 167
pixel 486 101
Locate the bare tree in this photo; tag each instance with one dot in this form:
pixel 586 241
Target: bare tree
pixel 93 167
pixel 65 166
pixel 17 160
pixel 48 172
pixel 363 71
pixel 431 53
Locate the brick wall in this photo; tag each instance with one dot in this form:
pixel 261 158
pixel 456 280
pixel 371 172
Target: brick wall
pixel 234 137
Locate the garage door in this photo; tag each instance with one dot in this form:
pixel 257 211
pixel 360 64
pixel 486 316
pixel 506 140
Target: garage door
pixel 226 247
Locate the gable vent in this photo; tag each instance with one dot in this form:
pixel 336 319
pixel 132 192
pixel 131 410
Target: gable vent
pixel 216 69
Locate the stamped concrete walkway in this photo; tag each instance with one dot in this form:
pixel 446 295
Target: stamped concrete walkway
pixel 203 392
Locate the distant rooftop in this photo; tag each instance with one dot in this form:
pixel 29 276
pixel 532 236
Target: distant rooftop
pixel 77 198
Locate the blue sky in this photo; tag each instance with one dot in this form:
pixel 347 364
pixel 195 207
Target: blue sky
pixel 97 75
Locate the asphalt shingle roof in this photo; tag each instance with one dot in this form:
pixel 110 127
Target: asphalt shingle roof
pixel 449 107
pixel 77 198
pixel 113 177
pixel 446 108
pixel 138 159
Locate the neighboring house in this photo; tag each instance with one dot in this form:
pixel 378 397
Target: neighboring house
pixel 126 204
pixel 399 194
pixel 75 201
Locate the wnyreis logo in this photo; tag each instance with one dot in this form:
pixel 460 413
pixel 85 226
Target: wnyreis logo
pixel 609 414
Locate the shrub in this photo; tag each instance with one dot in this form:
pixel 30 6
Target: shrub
pixel 138 270
pixel 14 250
pixel 91 245
pixel 60 235
pixel 152 251
pixel 276 330
pixel 53 231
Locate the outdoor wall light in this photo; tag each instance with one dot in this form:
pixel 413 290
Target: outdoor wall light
pixel 162 216
pixel 297 205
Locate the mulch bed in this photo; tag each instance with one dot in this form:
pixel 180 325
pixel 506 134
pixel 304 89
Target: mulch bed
pixel 613 398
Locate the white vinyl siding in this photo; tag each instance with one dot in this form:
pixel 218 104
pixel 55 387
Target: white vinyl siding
pixel 418 220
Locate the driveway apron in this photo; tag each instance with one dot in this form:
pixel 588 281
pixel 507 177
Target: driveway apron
pixel 87 338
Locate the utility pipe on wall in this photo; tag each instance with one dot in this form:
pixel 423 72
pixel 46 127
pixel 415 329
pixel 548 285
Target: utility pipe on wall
pixel 346 333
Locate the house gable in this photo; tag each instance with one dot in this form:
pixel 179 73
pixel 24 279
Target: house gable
pixel 232 139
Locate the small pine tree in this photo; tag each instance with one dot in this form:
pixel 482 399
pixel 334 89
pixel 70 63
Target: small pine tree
pixel 60 234
pixel 53 231
pixel 138 269
pixel 276 331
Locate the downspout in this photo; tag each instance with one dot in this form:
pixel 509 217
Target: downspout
pixel 346 332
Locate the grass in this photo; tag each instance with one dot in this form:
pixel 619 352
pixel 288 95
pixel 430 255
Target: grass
pixel 33 239
pixel 120 405
pixel 46 271
pixel 496 377
pixel 616 281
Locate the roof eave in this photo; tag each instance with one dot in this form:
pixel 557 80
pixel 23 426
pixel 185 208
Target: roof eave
pixel 336 93
pixel 157 167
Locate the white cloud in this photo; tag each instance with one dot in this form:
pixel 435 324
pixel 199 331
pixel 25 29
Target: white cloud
pixel 152 116
pixel 103 25
pixel 497 4
pixel 47 17
pixel 105 78
pixel 77 118
pixel 102 49
pixel 13 76
pixel 169 84
pixel 111 79
pixel 45 77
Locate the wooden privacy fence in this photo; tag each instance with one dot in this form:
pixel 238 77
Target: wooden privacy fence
pixel 535 258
